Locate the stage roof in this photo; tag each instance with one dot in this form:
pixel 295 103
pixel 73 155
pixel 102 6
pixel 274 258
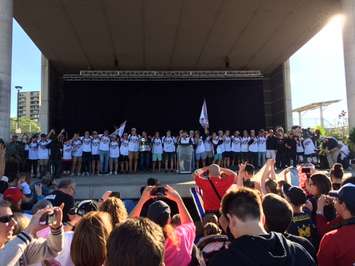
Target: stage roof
pixel 171 34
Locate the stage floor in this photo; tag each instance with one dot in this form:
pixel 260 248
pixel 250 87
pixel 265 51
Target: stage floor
pixel 129 185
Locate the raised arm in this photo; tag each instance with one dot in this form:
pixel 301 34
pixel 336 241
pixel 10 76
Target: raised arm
pixel 146 195
pixel 172 194
pixel 199 172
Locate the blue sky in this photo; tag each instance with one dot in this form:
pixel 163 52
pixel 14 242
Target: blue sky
pixel 317 71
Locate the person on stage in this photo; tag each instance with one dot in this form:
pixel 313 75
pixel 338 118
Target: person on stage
pixel 169 149
pixel 200 151
pixel 104 150
pixel 244 147
pixel 124 153
pixel 157 151
pixel 236 149
pixel 133 148
pixel 253 148
pixel 77 154
pixel 217 141
pixel 95 153
pixel 144 151
pixel 227 142
pixel 86 158
pixel 114 155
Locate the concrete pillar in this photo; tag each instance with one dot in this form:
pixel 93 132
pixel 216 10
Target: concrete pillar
pixel 44 109
pixel 288 96
pixel 6 14
pixel 349 56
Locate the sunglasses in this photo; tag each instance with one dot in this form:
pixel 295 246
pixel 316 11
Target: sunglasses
pixel 6 219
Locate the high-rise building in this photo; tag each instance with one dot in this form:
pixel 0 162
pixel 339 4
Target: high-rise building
pixel 29 104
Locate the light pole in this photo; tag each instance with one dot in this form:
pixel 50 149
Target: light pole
pixel 18 88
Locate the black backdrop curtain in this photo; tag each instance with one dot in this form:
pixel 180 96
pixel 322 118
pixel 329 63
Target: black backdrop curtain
pixel 161 105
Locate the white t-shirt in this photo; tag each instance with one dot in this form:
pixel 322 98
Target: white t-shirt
pixel 169 144
pixel 208 144
pixel 244 147
pixel 67 151
pixel 261 144
pixel 227 141
pixel 43 152
pixel 157 145
pixel 200 146
pixel 33 151
pixel 124 147
pixel 220 147
pixel 185 140
pixel 254 146
pixel 299 147
pixel 114 149
pixel 95 143
pixel 133 143
pixel 104 143
pixel 309 147
pixel 236 142
pixel 86 144
pixel 77 148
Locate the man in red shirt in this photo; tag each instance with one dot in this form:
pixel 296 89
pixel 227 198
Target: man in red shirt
pixel 214 181
pixel 337 247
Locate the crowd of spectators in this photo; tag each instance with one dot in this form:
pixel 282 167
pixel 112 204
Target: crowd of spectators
pixel 252 216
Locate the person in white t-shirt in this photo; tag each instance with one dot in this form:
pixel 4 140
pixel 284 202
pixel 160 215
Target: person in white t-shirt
pixel 244 147
pixel 208 147
pixel 299 149
pixel 253 148
pixel 77 153
pixel 236 142
pixel 95 153
pixel 133 148
pixel 114 155
pixel 227 142
pixel 86 158
pixel 124 153
pixel 169 149
pixel 67 159
pixel 43 153
pixel 157 151
pixel 261 148
pixel 104 151
pixel 218 146
pixel 200 151
pixel 33 155
pixel 309 150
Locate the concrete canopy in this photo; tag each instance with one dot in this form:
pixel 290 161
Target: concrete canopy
pixel 171 34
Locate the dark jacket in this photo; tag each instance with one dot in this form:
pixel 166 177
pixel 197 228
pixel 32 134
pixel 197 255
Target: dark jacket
pixel 271 249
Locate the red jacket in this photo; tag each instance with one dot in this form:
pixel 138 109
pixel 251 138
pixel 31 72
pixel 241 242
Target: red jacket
pixel 211 201
pixel 337 247
pixel 324 226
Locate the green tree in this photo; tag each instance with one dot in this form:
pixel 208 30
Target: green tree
pixel 25 124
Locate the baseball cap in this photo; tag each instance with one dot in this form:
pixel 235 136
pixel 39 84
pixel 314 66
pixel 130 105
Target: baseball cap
pixel 159 212
pixel 13 194
pixel 346 194
pixel 84 207
pixel 296 196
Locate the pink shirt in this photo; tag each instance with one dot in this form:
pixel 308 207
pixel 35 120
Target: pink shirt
pixel 180 254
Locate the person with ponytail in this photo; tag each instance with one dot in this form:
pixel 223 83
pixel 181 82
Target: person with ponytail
pixel 179 240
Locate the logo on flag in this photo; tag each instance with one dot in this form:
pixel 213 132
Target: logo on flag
pixel 204 116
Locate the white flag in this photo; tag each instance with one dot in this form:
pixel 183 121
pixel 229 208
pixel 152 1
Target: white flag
pixel 204 116
pixel 120 130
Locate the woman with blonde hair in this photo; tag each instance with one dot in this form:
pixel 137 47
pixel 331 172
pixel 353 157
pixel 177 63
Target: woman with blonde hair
pixel 116 208
pixel 88 247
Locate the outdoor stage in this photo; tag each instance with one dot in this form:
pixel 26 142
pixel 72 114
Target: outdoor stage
pixel 129 185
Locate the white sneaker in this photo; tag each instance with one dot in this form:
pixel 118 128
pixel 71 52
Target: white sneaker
pixel 110 173
pixel 115 173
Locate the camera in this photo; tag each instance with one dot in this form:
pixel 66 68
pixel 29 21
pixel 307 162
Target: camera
pixel 47 219
pixel 159 191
